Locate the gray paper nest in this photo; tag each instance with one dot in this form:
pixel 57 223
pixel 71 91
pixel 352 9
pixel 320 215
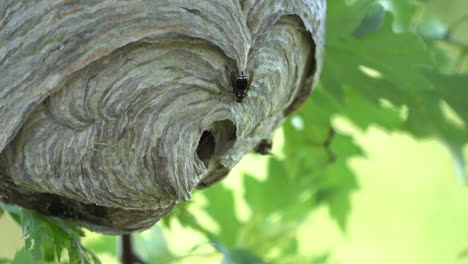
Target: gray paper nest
pixel 112 112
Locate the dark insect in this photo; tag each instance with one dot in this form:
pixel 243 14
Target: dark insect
pixel 241 85
pixel 58 209
pixel 264 147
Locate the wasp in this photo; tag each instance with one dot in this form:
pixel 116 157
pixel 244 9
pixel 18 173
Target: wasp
pixel 241 85
pixel 264 147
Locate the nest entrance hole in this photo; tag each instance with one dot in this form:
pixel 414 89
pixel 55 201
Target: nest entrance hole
pixel 206 147
pixel 216 140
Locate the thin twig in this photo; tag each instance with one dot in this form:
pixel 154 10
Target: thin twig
pixel 456 24
pixel 127 255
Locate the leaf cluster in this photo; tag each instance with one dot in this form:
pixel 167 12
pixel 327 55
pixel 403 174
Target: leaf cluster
pixel 48 240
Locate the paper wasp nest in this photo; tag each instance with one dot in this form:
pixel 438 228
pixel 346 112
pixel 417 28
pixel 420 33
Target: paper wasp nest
pixel 112 112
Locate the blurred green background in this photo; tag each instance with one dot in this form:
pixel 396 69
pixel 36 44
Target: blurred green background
pixel 370 170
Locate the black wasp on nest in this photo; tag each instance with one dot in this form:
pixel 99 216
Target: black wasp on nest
pixel 241 85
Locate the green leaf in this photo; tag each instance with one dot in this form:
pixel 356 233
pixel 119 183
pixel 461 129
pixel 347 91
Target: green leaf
pixel 403 11
pixel 243 257
pixel 363 113
pixel 22 256
pixel 47 238
pixel 4 261
pixel 221 208
pixel 153 247
pixel 339 182
pixel 236 256
pixel 32 233
pixel 103 244
pixel 427 120
pixel 431 28
pixel 372 22
pixel 342 19
pixel 387 65
pixel 291 247
pixel 183 214
pixel 318 155
pixel 273 195
pixel 382 65
pixel 14 211
pixel 453 89
pixel 255 200
pixel 315 123
pixel 322 258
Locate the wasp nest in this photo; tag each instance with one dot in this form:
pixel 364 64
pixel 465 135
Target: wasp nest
pixel 112 112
